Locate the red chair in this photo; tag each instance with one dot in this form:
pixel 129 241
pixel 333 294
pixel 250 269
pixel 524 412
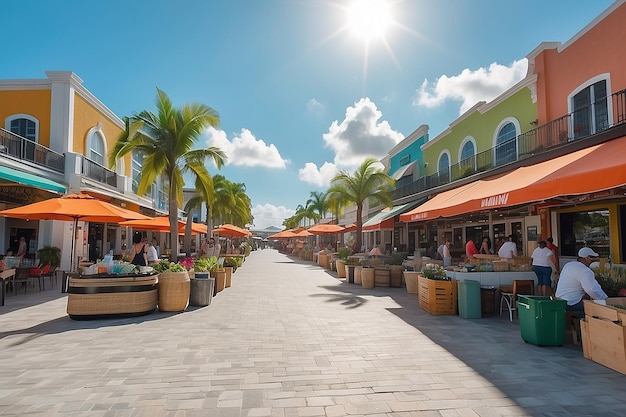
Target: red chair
pixel 38 273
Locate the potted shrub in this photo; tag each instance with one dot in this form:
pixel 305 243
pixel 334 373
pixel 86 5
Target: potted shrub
pixel 231 262
pixel 340 263
pixel 173 285
pixel 202 285
pixel 216 271
pixel 434 271
pixel 368 272
pixel 49 255
pixel 201 268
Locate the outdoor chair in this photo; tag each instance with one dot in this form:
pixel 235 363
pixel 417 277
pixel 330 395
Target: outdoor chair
pixel 509 293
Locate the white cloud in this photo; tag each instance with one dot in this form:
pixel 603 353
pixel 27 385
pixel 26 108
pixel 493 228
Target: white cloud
pixel 320 177
pixel 314 107
pixel 246 150
pixel 269 215
pixel 470 87
pixel 359 136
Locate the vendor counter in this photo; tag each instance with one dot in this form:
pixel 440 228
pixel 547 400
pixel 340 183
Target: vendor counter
pixel 102 295
pixel 495 279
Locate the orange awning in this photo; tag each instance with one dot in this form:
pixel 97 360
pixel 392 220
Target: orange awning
pixel 231 230
pixel 326 229
pixel 588 170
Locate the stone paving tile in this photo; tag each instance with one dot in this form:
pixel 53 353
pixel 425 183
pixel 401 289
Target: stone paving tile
pixel 289 339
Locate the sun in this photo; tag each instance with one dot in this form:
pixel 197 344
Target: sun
pixel 369 19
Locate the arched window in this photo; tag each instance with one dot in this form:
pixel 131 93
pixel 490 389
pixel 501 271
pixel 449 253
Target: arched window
pixel 23 125
pixel 443 168
pixel 467 157
pixel 136 169
pixel 506 145
pixel 96 148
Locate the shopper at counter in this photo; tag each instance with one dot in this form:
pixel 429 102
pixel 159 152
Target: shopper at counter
pixel 508 249
pixel 470 249
pixel 578 280
pixel 543 265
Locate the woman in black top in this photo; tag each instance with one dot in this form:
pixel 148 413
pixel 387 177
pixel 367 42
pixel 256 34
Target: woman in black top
pixel 140 257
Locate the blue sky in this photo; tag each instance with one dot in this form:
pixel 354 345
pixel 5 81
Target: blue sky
pixel 301 93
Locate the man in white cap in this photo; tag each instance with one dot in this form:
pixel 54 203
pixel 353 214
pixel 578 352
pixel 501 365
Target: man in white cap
pixel 577 279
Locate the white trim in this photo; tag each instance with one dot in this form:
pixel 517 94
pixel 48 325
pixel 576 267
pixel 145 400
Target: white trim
pixel 467 139
pixel 570 98
pixel 97 131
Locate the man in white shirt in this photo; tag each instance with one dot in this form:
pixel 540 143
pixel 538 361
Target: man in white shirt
pixel 577 279
pixel 153 256
pixel 508 249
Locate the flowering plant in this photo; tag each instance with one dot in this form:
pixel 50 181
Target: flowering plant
pixel 165 265
pixel 187 263
pixel 433 270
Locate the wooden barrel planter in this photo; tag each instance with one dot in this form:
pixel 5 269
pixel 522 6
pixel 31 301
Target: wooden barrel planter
pixel 367 278
pixel 341 268
pixel 357 274
pixel 411 279
pixel 382 276
pixel 229 276
pixel 174 290
pixel 220 280
pixel 395 278
pixel 97 297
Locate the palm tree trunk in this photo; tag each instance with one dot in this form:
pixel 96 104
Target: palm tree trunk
pixel 173 206
pixel 359 228
pixel 187 240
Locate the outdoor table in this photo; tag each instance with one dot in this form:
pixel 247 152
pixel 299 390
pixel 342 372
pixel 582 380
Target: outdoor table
pixel 5 276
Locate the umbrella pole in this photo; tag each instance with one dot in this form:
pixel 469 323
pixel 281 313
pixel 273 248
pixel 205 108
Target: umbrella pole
pixel 73 243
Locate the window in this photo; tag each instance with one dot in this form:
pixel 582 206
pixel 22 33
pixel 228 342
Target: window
pixel 506 146
pixel 23 126
pixel 590 110
pixel 467 158
pixel 96 148
pixel 443 168
pixel 584 228
pixel 136 169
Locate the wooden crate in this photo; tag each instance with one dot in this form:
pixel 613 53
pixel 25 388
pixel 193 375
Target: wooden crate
pixel 437 297
pixel 604 334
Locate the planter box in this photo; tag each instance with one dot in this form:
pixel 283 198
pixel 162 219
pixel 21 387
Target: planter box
pixel 396 276
pixel 367 278
pixel 437 297
pixel 604 334
pixel 411 279
pixel 382 276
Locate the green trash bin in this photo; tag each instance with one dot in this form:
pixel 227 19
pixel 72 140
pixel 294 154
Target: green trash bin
pixel 469 299
pixel 541 319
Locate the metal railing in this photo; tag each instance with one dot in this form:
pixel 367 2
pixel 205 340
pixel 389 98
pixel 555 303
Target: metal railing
pixel 27 150
pixel 580 124
pixel 97 172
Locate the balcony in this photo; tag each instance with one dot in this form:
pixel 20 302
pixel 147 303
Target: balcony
pixel 97 172
pixel 26 150
pixel 581 124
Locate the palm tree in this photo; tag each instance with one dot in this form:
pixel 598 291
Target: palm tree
pixel 204 193
pixel 368 181
pixel 165 140
pixel 318 203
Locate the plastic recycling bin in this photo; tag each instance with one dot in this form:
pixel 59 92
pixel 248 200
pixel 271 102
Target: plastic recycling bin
pixel 541 319
pixel 469 299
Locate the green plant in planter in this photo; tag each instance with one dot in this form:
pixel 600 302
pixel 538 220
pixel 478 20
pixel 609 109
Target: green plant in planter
pixel 344 253
pixel 232 262
pixel 398 257
pixel 352 261
pixel 49 255
pixel 201 265
pixel 433 270
pixel 213 264
pixel 611 279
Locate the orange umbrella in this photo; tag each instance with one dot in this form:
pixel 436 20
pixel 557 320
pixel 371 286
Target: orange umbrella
pixel 326 229
pixel 162 224
pixel 231 230
pixel 73 207
pixel 285 234
pixel 303 233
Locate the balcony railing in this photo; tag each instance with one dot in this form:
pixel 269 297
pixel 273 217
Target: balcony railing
pixel 582 123
pixel 27 150
pixel 97 172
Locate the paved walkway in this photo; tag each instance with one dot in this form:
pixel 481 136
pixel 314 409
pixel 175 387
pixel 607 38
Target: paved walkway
pixel 289 339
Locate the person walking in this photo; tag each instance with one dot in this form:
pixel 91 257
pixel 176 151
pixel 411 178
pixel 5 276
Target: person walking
pixel 23 247
pixel 543 266
pixel 485 247
pixel 578 280
pixel 470 249
pixel 153 256
pixel 445 254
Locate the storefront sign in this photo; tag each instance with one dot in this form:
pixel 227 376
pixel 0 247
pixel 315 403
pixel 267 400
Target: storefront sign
pixel 496 200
